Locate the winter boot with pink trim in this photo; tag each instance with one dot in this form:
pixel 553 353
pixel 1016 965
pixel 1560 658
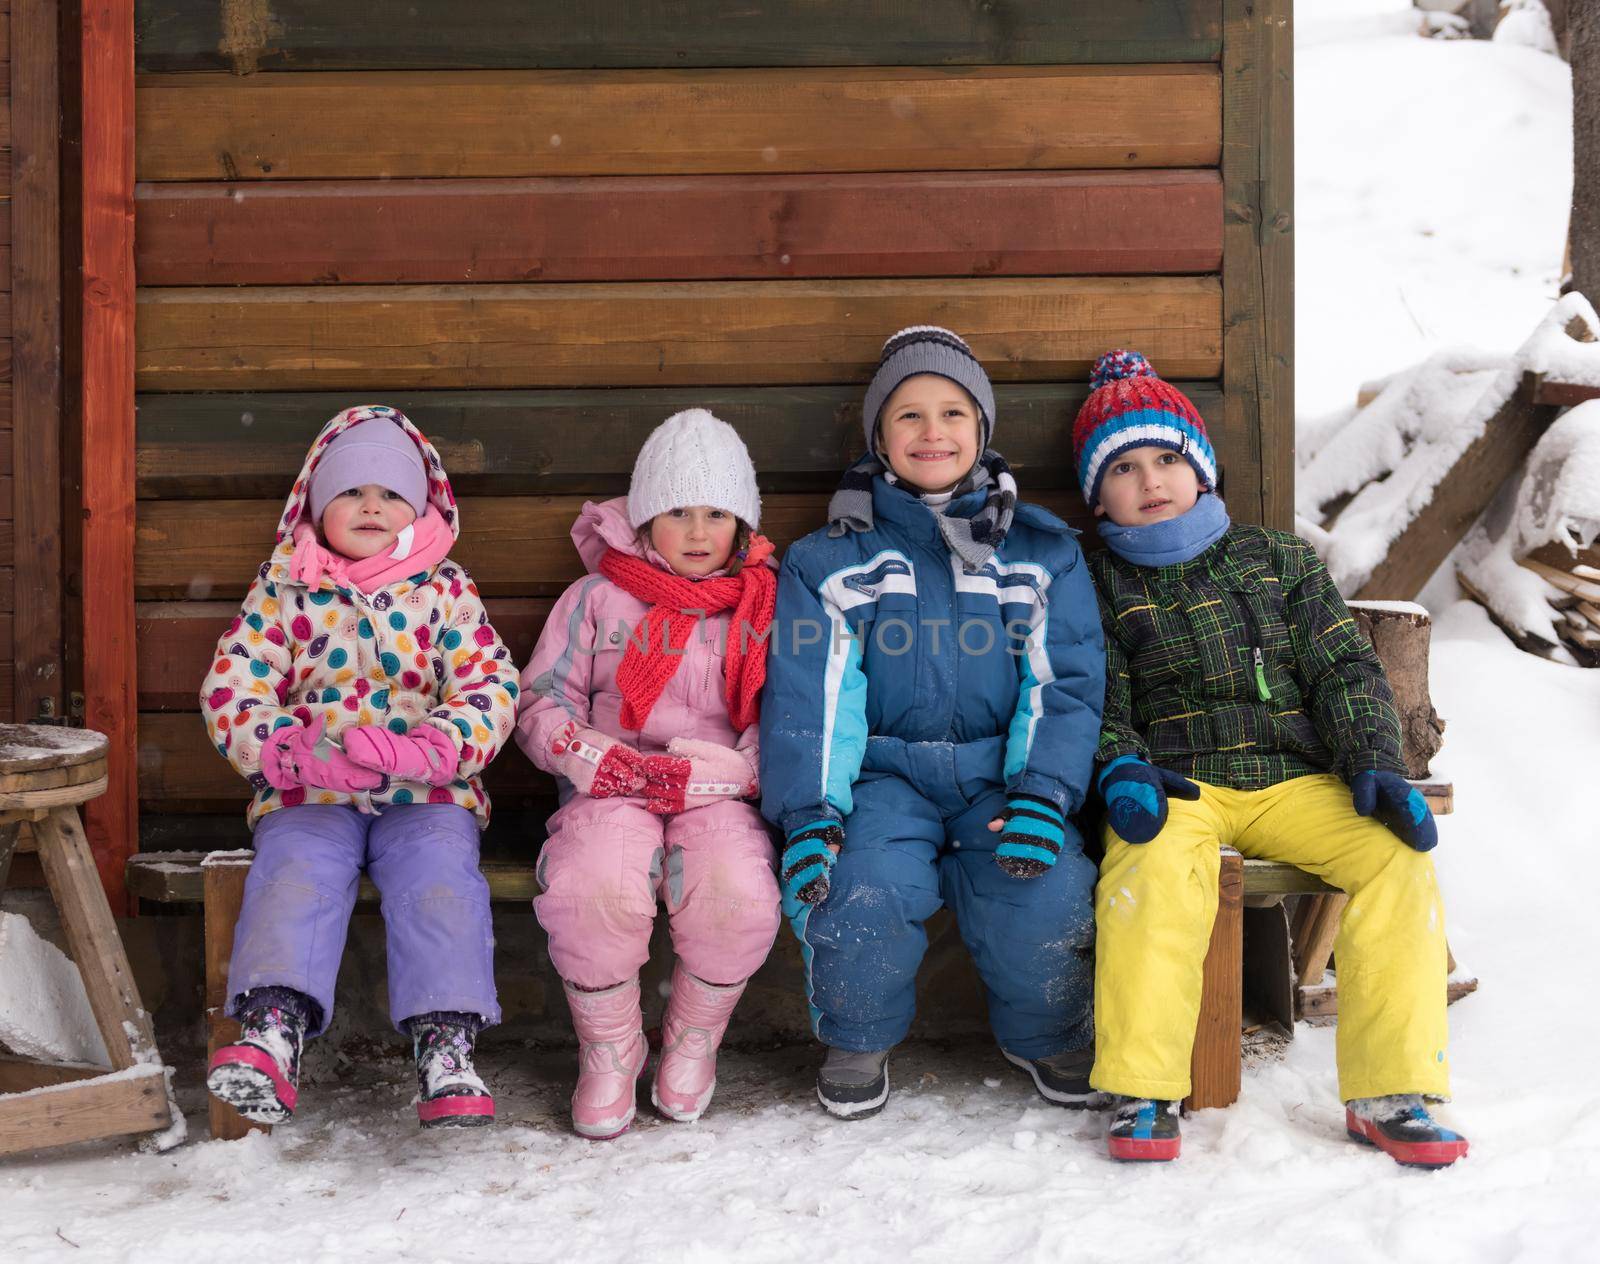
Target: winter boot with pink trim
pixel 259 1075
pixel 450 1093
pixel 611 1057
pixel 697 1015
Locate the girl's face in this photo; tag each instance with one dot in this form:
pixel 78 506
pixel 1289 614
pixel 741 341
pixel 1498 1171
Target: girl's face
pixel 694 541
pixel 1145 485
pixel 363 521
pixel 928 433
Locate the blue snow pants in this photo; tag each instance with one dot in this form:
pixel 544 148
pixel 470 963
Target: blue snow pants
pixel 917 839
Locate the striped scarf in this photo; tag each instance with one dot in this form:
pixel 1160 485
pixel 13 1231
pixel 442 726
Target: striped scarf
pixel 973 540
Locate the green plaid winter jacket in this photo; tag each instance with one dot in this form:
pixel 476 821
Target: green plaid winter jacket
pixel 1242 667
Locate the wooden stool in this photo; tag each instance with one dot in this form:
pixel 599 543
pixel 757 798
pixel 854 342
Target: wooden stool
pixel 45 772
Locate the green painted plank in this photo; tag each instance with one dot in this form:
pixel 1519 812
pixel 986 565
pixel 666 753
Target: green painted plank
pixel 548 442
pixel 249 35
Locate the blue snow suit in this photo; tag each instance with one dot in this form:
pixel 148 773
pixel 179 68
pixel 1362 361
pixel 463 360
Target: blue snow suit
pixel 904 698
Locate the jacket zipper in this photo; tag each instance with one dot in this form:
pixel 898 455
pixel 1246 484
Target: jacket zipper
pixel 1253 642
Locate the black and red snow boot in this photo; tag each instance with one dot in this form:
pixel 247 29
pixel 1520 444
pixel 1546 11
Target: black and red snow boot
pixel 1403 1129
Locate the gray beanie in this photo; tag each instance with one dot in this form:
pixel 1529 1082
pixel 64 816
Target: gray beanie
pixel 928 349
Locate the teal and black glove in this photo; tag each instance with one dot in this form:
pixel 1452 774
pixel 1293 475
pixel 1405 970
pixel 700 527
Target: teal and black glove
pixel 1398 804
pixel 1135 792
pixel 1031 836
pixel 808 858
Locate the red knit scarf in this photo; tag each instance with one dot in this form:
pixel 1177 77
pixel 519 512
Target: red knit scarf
pixel 664 631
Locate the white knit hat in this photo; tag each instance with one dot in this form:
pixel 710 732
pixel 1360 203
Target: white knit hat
pixel 691 458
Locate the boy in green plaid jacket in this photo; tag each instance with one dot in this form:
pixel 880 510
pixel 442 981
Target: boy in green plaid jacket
pixel 1244 708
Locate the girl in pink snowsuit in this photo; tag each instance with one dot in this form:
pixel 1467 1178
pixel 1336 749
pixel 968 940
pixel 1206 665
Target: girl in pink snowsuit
pixel 641 699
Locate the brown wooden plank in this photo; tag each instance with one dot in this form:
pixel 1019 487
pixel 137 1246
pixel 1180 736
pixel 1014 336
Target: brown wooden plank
pixel 86 1111
pixel 38 670
pixel 675 122
pixel 180 770
pixel 1258 251
pixel 18 1075
pixel 223 891
pixel 1215 1062
pixel 69 868
pixel 699 333
pixel 1507 439
pixel 521 442
pixel 440 34
pixel 107 302
pixel 621 228
pixel 177 639
pixel 516 546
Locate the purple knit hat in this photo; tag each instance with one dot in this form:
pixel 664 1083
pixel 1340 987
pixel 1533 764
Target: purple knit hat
pixel 373 451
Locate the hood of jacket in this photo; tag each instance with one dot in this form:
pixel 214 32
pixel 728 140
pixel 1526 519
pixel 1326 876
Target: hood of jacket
pixel 297 508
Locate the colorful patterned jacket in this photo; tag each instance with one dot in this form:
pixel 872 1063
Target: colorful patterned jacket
pixel 1241 668
pixel 421 651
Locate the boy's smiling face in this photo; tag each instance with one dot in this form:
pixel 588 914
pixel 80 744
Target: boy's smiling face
pixel 928 433
pixel 362 522
pixel 1145 485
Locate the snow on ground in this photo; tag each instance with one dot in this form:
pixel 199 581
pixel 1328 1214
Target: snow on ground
pixel 1433 186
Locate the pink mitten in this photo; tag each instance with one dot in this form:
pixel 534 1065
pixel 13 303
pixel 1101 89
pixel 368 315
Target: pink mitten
pixel 693 773
pixel 424 754
pixel 597 764
pixel 306 758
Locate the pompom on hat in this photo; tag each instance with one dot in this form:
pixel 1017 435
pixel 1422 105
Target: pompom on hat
pixel 692 458
pixel 1131 406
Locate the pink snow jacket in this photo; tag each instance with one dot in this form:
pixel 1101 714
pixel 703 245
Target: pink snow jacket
pixel 420 651
pixel 573 672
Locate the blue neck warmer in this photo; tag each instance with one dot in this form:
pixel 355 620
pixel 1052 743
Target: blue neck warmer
pixel 1179 539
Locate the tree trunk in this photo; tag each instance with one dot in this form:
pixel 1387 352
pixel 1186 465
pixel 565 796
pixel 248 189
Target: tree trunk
pixel 1400 634
pixel 1584 235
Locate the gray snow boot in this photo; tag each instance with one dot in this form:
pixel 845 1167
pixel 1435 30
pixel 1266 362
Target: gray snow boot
pixel 1061 1078
pixel 854 1085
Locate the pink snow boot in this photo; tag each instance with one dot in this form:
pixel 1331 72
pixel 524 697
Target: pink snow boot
pixel 259 1074
pixel 697 1015
pixel 611 1057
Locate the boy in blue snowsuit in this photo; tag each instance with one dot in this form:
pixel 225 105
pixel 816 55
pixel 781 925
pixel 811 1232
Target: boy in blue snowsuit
pixel 934 686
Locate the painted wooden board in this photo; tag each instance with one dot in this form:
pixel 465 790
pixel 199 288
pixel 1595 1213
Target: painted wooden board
pixel 521 442
pixel 516 546
pixel 431 34
pixel 663 228
pixel 675 122
pixel 699 333
pixel 175 637
pixel 180 770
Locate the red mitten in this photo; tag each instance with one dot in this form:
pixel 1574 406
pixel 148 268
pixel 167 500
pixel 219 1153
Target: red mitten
pixel 425 754
pixel 666 782
pixel 694 773
pixel 596 763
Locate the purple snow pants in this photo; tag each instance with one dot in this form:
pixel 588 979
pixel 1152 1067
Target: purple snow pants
pixel 301 889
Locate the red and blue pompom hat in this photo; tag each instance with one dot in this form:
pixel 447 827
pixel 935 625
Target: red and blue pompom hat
pixel 1129 406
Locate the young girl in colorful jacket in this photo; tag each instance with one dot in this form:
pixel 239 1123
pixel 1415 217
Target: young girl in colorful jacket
pixel 641 698
pixel 361 690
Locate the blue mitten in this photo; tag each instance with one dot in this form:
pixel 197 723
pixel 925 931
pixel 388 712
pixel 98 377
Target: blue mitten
pixel 808 858
pixel 1398 804
pixel 1032 836
pixel 1135 792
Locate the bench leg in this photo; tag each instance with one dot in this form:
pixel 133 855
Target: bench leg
pixel 224 887
pixel 1316 926
pixel 1215 1066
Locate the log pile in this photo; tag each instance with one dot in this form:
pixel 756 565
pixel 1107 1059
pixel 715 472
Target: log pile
pixel 1579 603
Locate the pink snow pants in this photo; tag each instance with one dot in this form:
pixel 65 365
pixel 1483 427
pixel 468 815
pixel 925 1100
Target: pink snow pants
pixel 608 860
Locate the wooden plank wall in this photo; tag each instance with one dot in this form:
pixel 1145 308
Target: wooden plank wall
pixel 540 228
pixel 8 652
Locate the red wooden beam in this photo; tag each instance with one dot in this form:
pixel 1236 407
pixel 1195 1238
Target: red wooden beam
pixel 688 228
pixel 106 68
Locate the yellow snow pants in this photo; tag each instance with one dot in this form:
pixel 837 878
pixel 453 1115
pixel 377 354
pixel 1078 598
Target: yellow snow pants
pixel 1156 901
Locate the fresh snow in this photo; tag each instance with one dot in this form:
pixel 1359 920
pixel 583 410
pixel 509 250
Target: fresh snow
pixel 1432 202
pixel 44 1011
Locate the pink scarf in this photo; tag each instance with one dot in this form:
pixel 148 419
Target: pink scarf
pixel 419 547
